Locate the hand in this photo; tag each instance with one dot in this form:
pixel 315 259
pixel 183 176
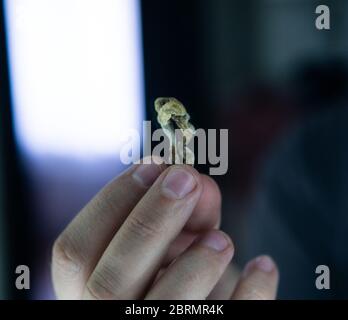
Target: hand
pixel 152 233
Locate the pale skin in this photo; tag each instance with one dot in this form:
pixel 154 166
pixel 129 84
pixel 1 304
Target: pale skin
pixel 153 233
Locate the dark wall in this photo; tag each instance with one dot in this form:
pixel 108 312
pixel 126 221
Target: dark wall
pixel 15 212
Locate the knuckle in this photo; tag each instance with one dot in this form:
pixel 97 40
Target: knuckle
pixel 255 291
pixel 103 286
pixel 104 201
pixel 108 198
pixel 98 292
pixel 191 276
pixel 65 259
pixel 255 294
pixel 188 274
pixel 144 228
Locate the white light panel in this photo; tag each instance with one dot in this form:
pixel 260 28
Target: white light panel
pixel 76 74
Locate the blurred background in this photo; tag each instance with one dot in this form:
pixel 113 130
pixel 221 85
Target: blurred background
pixel 76 74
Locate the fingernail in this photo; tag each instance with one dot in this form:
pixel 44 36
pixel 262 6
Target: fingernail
pixel 146 174
pixel 215 240
pixel 262 263
pixel 178 183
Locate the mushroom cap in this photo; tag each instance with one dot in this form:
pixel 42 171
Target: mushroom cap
pixel 168 108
